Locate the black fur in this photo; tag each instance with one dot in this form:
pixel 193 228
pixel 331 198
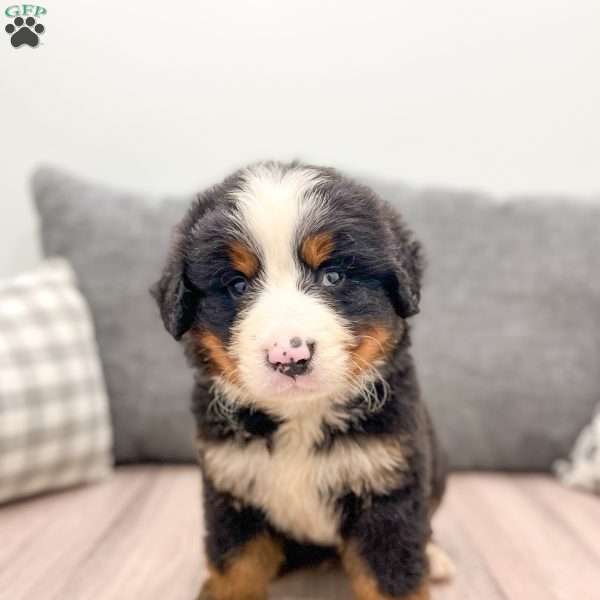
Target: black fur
pixel 375 250
pixel 382 264
pixel 243 424
pixel 391 534
pixel 229 524
pixel 381 257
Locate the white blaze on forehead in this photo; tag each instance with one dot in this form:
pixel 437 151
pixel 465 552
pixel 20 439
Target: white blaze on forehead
pixel 275 207
pixel 272 205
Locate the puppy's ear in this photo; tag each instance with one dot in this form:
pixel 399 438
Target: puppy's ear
pixel 404 283
pixel 176 297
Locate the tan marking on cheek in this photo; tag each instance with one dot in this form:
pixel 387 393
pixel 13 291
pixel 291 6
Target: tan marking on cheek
pixel 247 573
pixel 374 344
pixel 243 259
pixel 217 355
pixel 364 584
pixel 316 249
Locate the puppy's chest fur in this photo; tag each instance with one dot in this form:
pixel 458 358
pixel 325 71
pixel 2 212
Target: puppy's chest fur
pixel 297 484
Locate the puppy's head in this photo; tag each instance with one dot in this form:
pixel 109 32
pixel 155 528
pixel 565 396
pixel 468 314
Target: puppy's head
pixel 290 283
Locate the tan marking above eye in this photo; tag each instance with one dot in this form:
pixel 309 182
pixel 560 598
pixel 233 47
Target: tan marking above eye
pixel 373 345
pixel 243 259
pixel 317 248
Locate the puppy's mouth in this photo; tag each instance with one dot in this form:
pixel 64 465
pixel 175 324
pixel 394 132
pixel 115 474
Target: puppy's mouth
pixel 294 369
pixel 280 383
pixel 293 374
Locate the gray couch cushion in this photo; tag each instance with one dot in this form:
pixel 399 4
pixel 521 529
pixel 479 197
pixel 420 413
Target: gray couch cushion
pixel 116 243
pixel 508 339
pixel 507 342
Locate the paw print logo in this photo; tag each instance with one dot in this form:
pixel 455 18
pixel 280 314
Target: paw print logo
pixel 24 32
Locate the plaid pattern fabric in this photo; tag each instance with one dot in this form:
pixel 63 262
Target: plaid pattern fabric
pixel 54 419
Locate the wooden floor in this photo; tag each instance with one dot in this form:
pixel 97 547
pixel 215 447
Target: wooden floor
pixel 137 536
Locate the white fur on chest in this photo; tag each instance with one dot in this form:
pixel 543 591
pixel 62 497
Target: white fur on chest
pixel 295 485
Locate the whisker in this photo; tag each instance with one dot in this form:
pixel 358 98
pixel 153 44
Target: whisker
pixel 220 407
pixel 370 337
pixel 366 388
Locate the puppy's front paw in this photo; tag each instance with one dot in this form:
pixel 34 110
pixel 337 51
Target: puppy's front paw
pixel 441 567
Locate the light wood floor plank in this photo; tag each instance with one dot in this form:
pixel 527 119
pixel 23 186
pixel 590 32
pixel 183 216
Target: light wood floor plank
pixel 488 519
pixel 152 550
pixel 567 568
pixel 138 536
pixel 531 556
pixel 473 580
pixel 49 535
pixel 577 512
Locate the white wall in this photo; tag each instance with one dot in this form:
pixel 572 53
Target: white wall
pixel 163 97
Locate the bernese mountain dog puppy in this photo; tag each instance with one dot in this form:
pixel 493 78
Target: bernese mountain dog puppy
pixel 289 286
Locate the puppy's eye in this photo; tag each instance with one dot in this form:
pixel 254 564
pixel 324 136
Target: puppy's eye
pixel 331 278
pixel 238 287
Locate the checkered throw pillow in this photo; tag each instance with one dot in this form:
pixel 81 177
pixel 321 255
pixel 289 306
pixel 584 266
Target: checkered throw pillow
pixel 54 419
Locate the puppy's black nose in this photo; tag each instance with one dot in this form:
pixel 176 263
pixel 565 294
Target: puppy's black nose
pixel 291 356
